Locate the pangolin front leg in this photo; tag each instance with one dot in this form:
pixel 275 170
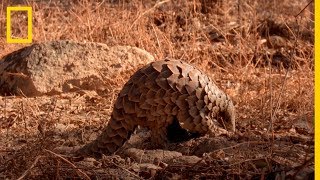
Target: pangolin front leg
pixel 168 97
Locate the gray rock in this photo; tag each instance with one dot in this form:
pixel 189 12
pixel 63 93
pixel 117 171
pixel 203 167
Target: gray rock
pixel 63 66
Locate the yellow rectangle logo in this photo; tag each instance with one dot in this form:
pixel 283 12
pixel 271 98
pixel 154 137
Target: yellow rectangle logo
pixel 29 15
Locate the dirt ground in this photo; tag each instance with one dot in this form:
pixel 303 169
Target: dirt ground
pixel 261 53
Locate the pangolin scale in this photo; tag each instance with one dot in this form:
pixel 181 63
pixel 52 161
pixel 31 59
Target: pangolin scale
pixel 157 95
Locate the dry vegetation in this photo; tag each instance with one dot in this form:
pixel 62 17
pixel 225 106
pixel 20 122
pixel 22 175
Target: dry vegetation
pixel 259 52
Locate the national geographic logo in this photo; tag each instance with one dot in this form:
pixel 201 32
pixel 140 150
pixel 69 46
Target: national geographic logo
pixel 9 33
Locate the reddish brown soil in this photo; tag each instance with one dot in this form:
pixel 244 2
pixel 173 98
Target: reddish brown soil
pixel 259 52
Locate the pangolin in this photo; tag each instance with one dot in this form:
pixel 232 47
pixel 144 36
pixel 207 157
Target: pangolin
pixel 158 95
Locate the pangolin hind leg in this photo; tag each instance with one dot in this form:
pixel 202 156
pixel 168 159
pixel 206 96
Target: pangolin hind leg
pixel 158 126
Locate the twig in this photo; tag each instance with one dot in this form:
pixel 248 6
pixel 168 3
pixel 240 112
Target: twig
pixel 149 10
pixel 79 172
pixel 29 169
pixel 133 174
pixel 271 103
pixel 5 112
pixel 99 5
pixel 273 114
pixel 247 160
pixel 24 120
pixel 237 145
pixel 303 9
pixel 240 144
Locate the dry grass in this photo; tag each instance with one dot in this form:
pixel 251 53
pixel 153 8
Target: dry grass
pixel 259 52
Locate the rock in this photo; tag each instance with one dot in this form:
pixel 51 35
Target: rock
pixel 63 66
pixel 160 157
pixel 146 170
pixel 144 167
pixel 276 42
pixel 148 156
pixel 186 160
